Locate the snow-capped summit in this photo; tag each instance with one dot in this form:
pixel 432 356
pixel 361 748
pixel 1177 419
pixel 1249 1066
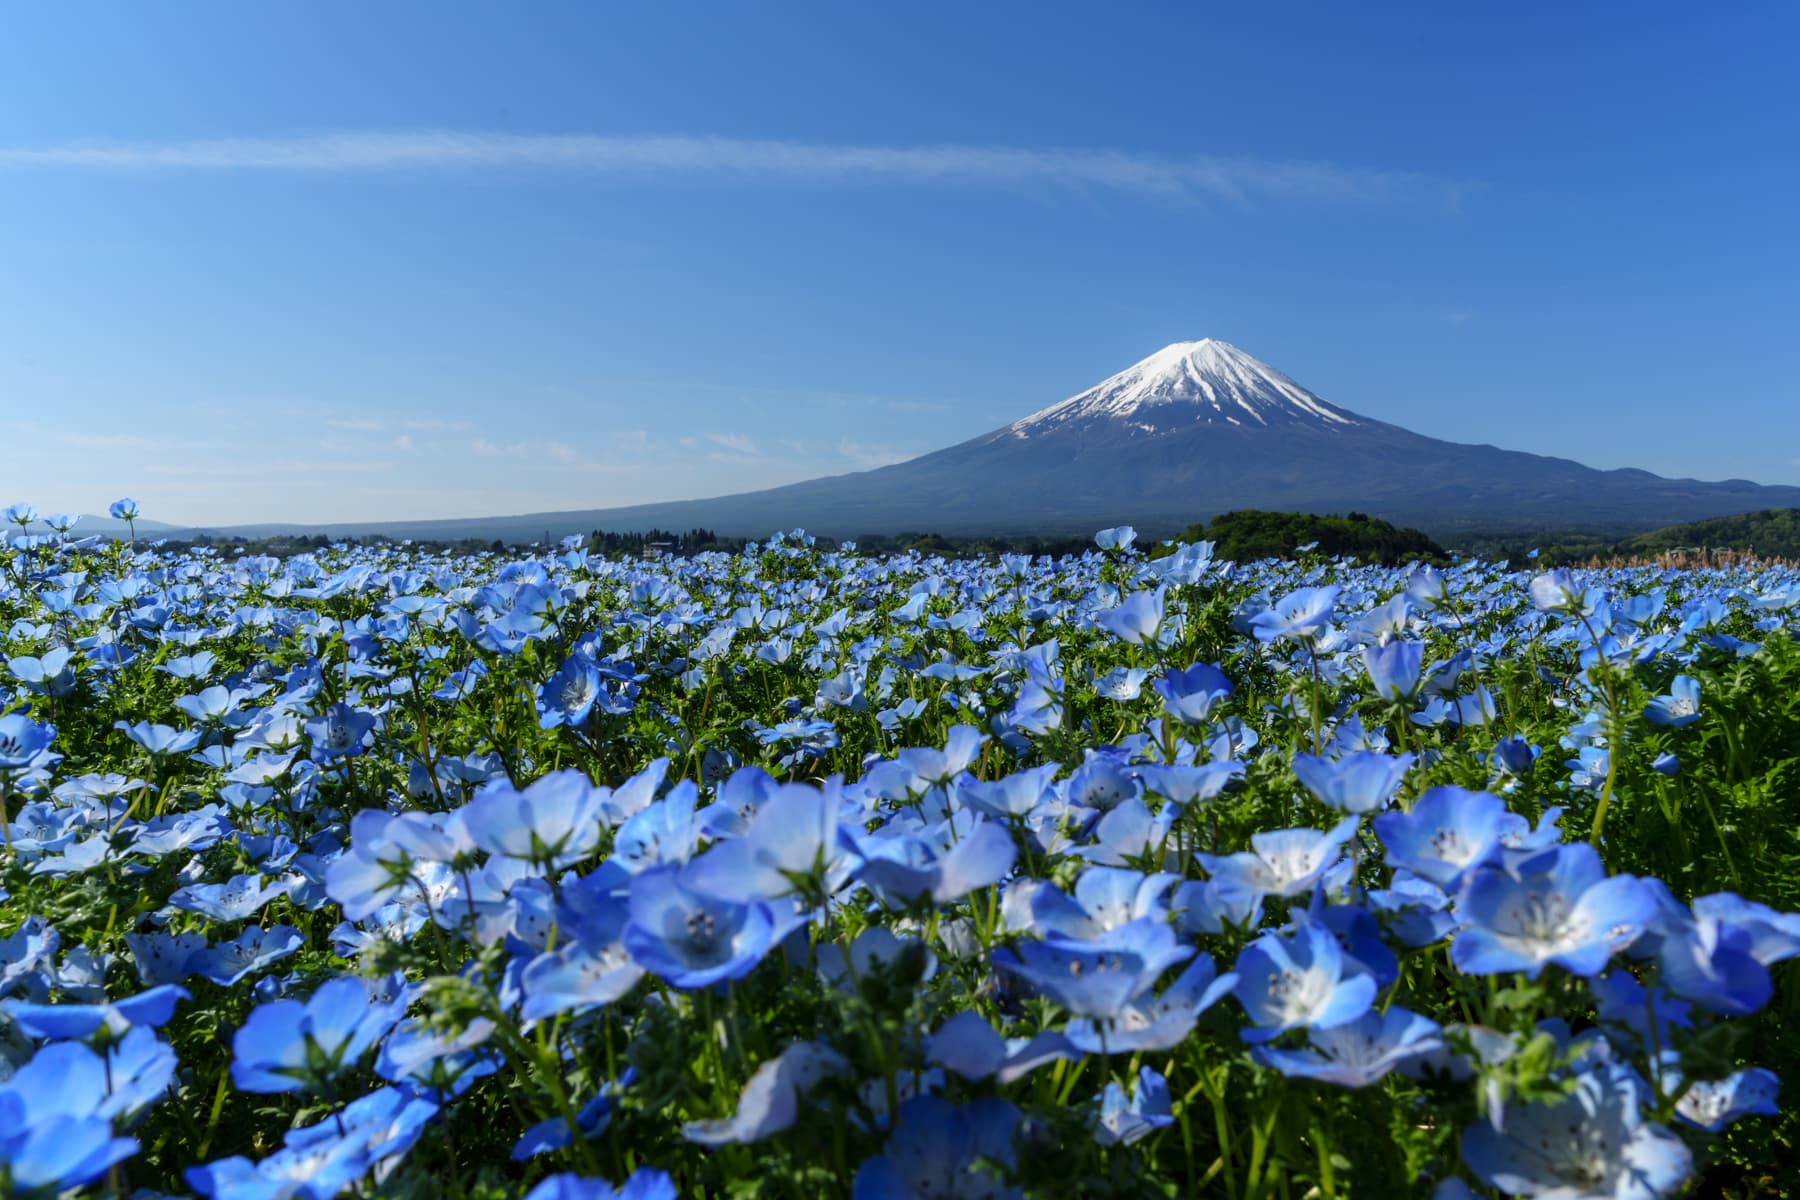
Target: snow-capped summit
pixel 1203 382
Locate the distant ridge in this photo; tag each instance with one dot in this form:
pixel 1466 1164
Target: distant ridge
pixel 1196 429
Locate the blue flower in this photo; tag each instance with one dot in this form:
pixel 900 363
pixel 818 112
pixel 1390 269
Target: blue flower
pixel 1358 783
pixel 939 1149
pixel 1680 707
pixel 554 823
pixel 1298 981
pixel 289 1046
pixel 125 509
pixel 1560 908
pixel 339 732
pixel 1711 1105
pixel 151 1008
pixel 969 1046
pixel 22 740
pixel 1123 1121
pixel 1359 1052
pixel 1190 696
pixel 645 1183
pixel 238 899
pixel 1593 1142
pixel 1281 862
pixel 1153 1022
pixel 232 962
pixel 1448 832
pixel 1394 669
pixel 569 695
pixel 690 938
pixel 770 1102
pixel 1135 620
pixel 907 869
pixel 1117 538
pixel 1297 615
pixel 1097 977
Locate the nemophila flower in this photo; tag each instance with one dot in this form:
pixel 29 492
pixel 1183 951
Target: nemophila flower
pixel 942 1150
pixel 24 950
pixel 339 732
pixel 1359 1052
pixel 232 962
pixel 1414 910
pixel 1207 906
pixel 1131 834
pixel 1299 614
pixel 876 950
pixel 770 1102
pixel 591 1120
pixel 645 1183
pixel 52 675
pixel 444 1062
pixel 1356 783
pixel 21 515
pixel 1297 980
pixel 1394 669
pixel 1155 1021
pixel 1680 707
pixel 1191 695
pixel 553 824
pixel 125 509
pixel 737 798
pixel 1447 832
pixel 1710 1105
pixel 21 741
pixel 931 766
pixel 943 868
pixel 1097 977
pixel 690 938
pixel 162 958
pixel 1104 781
pixel 1592 1144
pixel 1126 1120
pixel 568 696
pixel 1011 795
pixel 292 1046
pixel 50 1152
pixel 73 1022
pixel 1104 898
pixel 1774 936
pixel 238 899
pixel 1136 619
pixel 1121 684
pixel 1556 591
pixel 969 1046
pixel 1119 538
pixel 1560 908
pixel 365 1138
pixel 1282 862
pixel 1710 962
pixel 1513 756
pixel 793 847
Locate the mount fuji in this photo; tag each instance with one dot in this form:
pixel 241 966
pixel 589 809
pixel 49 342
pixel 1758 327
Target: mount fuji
pixel 1196 429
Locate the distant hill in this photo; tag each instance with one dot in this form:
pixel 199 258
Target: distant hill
pixel 1254 534
pixel 1194 430
pixel 1770 532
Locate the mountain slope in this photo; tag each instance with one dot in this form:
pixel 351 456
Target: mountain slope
pixel 1196 429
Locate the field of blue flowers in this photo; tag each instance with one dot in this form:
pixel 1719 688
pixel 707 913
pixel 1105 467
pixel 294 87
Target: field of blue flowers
pixel 802 873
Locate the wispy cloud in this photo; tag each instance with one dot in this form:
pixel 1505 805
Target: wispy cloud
pixel 737 443
pixel 865 455
pixel 1229 178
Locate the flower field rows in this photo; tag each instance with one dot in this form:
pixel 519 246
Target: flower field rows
pixel 802 873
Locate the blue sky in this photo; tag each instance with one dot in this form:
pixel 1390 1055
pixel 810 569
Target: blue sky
pixel 336 262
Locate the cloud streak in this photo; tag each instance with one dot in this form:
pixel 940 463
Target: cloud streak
pixel 1203 176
